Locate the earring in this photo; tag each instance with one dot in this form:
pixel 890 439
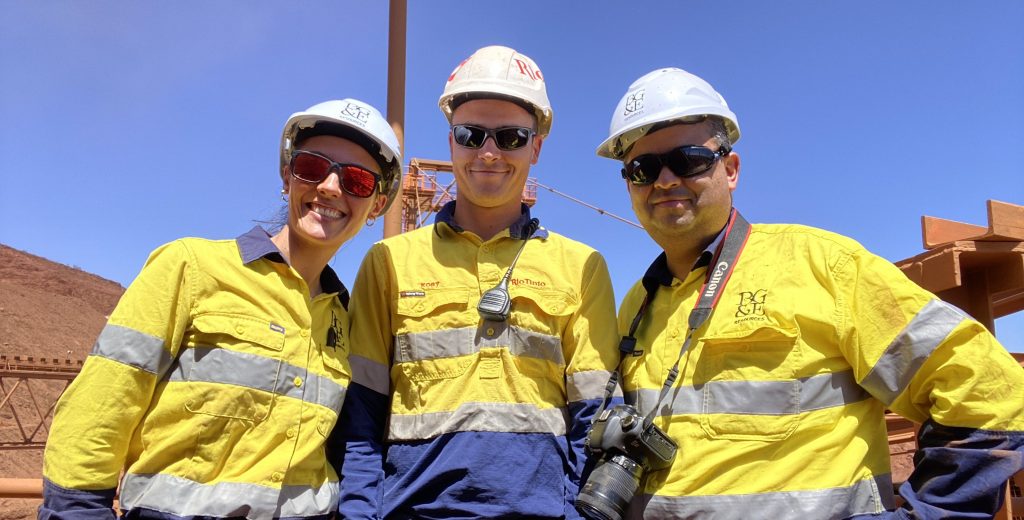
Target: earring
pixel 370 221
pixel 284 194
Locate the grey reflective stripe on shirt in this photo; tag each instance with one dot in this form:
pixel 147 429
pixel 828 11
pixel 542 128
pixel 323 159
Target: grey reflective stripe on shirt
pixel 486 417
pixel 756 397
pixel 183 497
pixel 370 374
pixel 218 365
pixel 446 343
pixel 133 348
pixel 912 346
pixel 864 497
pixel 589 384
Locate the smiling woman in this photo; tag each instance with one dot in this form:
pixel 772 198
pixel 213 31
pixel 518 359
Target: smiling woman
pixel 223 369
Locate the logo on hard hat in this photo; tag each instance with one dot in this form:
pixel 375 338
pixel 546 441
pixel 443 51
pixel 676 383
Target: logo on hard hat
pixel 456 71
pixel 528 70
pixel 634 102
pixel 356 112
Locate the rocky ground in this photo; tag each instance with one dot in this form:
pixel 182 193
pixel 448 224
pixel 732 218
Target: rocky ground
pixel 48 311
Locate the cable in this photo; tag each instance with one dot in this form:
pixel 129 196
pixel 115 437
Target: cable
pixel 595 208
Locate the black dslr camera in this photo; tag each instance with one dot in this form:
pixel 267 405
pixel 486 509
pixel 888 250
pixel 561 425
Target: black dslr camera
pixel 627 448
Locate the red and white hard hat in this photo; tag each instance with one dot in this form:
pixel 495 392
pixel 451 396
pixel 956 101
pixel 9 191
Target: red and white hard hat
pixel 499 72
pixel 356 121
pixel 661 96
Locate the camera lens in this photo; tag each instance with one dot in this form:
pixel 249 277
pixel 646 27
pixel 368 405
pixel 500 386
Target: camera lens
pixel 608 491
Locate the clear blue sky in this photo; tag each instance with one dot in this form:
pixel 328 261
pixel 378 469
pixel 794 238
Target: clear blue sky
pixel 124 125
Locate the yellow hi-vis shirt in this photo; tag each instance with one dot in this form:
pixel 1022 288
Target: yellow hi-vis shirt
pixel 778 408
pixel 466 393
pixel 214 386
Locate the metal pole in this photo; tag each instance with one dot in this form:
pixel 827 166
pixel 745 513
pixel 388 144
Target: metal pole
pixel 396 100
pixel 21 488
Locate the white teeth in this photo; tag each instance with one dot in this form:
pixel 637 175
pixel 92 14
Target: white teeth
pixel 327 212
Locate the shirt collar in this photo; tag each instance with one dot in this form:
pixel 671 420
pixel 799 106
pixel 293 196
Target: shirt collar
pixel 517 230
pixel 256 244
pixel 659 274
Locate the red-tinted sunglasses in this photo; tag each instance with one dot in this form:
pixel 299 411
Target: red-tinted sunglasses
pixel 314 168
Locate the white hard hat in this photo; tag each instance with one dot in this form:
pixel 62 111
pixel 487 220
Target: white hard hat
pixel 356 121
pixel 502 73
pixel 661 96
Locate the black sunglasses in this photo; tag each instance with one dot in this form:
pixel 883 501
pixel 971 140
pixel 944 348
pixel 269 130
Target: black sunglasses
pixel 684 161
pixel 506 138
pixel 315 168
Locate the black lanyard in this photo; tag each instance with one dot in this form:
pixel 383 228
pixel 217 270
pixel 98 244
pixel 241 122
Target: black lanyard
pixel 718 272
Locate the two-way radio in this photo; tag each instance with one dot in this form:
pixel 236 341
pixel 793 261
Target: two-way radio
pixel 496 303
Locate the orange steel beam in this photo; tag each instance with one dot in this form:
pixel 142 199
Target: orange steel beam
pixel 1005 223
pixel 21 488
pixel 396 97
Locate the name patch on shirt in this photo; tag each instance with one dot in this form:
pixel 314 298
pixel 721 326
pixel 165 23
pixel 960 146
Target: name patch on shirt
pixel 411 294
pixel 276 328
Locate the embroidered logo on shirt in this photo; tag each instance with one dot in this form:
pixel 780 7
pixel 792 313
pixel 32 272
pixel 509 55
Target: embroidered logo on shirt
pixel 527 282
pixel 276 328
pixel 411 294
pixel 751 304
pixel 333 332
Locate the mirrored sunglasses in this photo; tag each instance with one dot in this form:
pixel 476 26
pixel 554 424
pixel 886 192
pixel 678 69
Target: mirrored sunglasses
pixel 684 161
pixel 507 138
pixel 315 168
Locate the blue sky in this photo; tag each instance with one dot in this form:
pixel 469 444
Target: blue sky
pixel 124 125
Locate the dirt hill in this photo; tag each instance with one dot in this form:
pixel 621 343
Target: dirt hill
pixel 47 311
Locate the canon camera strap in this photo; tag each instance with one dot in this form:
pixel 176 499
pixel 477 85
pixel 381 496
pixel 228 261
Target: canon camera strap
pixel 718 272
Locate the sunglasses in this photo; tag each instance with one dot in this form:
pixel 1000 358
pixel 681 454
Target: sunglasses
pixel 684 161
pixel 506 138
pixel 314 168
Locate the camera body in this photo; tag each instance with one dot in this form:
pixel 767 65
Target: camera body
pixel 627 448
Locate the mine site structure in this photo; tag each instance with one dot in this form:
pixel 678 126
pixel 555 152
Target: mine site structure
pixel 18 374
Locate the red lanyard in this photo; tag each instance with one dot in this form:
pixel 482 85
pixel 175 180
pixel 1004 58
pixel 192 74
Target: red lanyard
pixel 719 270
pixel 736 233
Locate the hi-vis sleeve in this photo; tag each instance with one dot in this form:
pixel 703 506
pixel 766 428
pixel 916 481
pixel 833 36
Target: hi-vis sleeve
pixel 93 421
pixel 929 362
pixel 364 415
pixel 592 351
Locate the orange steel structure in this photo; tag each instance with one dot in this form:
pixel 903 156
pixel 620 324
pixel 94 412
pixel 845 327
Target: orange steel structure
pixel 979 269
pixel 17 375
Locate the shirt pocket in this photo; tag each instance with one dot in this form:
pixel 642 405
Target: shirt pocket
pixel 539 319
pixel 434 337
pixel 750 390
pixel 233 368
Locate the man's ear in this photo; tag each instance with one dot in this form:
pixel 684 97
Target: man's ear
pixel 732 169
pixel 538 141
